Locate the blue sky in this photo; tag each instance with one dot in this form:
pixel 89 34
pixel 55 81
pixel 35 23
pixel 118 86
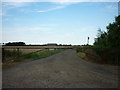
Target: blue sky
pixel 50 22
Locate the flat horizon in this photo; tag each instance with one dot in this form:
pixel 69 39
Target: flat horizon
pixel 50 22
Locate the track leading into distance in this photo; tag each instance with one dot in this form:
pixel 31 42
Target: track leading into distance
pixel 62 70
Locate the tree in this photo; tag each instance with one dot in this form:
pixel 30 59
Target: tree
pixel 15 44
pixel 101 40
pixel 114 33
pixel 111 38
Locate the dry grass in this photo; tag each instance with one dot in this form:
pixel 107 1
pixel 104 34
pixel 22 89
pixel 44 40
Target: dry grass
pixel 28 57
pixel 81 54
pixel 11 54
pixel 25 51
pixel 89 55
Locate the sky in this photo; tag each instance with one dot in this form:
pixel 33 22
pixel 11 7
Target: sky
pixel 55 22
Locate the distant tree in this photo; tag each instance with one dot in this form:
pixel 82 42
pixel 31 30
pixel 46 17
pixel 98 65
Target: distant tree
pixel 15 44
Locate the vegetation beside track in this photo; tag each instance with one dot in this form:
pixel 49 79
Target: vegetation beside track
pixel 28 57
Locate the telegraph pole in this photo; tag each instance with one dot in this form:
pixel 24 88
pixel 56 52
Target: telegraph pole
pixel 88 41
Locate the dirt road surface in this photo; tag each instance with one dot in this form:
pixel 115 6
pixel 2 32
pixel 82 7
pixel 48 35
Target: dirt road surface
pixel 63 70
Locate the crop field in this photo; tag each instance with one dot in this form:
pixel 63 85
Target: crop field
pixel 10 54
pixel 25 51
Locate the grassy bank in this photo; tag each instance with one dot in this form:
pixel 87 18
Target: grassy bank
pixel 38 55
pixel 29 57
pixel 99 55
pixel 88 55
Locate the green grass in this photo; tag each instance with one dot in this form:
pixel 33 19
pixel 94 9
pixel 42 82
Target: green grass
pixel 37 55
pixel 29 57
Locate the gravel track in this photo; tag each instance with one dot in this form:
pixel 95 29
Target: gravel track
pixel 62 70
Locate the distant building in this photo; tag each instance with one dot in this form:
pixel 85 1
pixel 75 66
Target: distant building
pixel 51 44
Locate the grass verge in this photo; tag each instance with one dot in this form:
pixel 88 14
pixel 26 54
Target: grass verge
pixel 31 56
pixel 99 56
pixel 38 55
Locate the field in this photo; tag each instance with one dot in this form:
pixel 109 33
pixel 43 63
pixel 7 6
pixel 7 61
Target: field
pixel 13 53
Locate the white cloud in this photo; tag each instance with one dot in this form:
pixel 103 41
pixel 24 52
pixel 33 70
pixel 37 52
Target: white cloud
pixel 41 11
pixel 19 0
pixel 28 29
pixel 10 5
pixel 39 27
pixel 51 9
pixel 75 1
pixel 111 7
pixel 60 1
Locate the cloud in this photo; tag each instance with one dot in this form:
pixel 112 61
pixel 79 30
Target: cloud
pixel 10 5
pixel 111 7
pixel 51 9
pixel 39 27
pixel 28 29
pixel 76 1
pixel 60 1
pixel 20 0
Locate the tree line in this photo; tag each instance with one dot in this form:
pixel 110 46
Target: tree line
pixel 110 38
pixel 107 44
pixel 23 44
pixel 15 44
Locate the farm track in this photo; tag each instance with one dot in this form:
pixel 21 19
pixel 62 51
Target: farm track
pixel 62 70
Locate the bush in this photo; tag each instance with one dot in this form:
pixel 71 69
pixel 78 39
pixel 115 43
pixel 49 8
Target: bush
pixel 108 55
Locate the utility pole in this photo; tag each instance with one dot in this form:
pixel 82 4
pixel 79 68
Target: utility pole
pixel 88 41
